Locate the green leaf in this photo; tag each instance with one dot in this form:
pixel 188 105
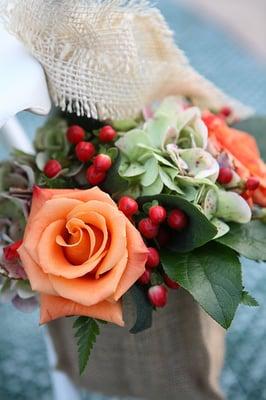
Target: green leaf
pixel 114 183
pixel 212 275
pixel 144 309
pixel 256 126
pixel 199 230
pixel 151 172
pixel 247 239
pixel 87 330
pixel 248 300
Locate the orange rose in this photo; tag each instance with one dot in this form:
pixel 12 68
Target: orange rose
pixel 244 151
pixel 81 253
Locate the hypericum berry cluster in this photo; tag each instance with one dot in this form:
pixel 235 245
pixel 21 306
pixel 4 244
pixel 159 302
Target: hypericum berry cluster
pixel 151 227
pixel 157 225
pixel 86 152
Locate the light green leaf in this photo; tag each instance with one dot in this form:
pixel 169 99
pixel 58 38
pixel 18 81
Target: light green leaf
pixel 221 226
pixel 232 207
pixel 151 172
pixel 212 275
pixel 168 182
pixel 155 188
pixel 134 169
pixel 249 240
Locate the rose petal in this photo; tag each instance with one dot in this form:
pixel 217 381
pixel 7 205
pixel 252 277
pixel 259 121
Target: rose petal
pixel 137 257
pixel 51 211
pixel 89 291
pixel 53 307
pixel 86 195
pixel 38 279
pixel 115 222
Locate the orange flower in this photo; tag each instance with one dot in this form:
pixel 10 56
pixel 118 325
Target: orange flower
pixel 244 151
pixel 81 253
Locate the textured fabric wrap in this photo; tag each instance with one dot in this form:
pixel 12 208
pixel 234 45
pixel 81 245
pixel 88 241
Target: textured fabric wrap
pixel 179 358
pixel 108 58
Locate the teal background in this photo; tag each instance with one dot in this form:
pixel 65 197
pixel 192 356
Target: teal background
pixel 23 362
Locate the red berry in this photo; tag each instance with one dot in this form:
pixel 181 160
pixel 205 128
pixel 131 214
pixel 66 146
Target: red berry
pixel 145 278
pixel 148 228
pixel 107 134
pixel 177 219
pixel 252 184
pixel 153 258
pixel 170 283
pixel 85 151
pixel 95 177
pixel 225 175
pixel 102 162
pixel 52 168
pixel 10 252
pixel 157 214
pixel 226 111
pixel 75 134
pixel 128 206
pixel 158 295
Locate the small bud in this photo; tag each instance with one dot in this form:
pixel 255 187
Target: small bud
pixel 52 168
pixel 153 258
pixel 177 220
pixel 148 229
pixel 95 177
pixel 128 206
pixel 75 134
pixel 157 214
pixel 158 295
pixel 145 278
pixel 102 162
pixel 107 134
pixel 85 151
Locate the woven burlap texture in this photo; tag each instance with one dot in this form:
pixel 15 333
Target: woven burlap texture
pixel 108 58
pixel 179 358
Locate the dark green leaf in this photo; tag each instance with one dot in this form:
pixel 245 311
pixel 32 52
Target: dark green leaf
pixel 257 127
pixel 212 275
pixel 114 183
pixel 199 230
pixel 143 308
pixel 248 300
pixel 87 330
pixel 249 240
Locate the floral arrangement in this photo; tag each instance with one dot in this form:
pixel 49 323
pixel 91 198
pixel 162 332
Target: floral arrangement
pixel 173 198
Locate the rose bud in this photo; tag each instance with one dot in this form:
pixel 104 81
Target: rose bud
pixel 158 295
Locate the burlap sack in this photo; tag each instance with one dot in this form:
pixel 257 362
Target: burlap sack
pixel 108 58
pixel 180 357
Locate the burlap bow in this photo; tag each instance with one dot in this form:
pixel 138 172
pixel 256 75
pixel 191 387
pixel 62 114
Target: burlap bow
pixel 107 59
